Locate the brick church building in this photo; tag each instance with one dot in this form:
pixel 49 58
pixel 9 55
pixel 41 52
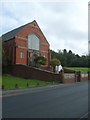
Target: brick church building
pixel 23 43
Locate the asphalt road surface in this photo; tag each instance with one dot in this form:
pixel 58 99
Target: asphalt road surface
pixel 58 101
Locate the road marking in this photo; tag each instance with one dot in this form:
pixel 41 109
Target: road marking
pixel 84 116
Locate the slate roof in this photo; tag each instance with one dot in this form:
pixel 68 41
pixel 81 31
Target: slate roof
pixel 9 35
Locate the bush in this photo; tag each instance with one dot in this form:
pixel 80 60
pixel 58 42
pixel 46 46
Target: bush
pixel 2 87
pixel 40 60
pixel 16 85
pixel 37 83
pixel 55 62
pixel 27 85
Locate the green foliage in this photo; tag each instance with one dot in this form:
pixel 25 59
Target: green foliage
pixel 0 80
pixel 40 60
pixel 0 52
pixel 11 82
pixel 69 59
pixel 55 62
pixel 81 69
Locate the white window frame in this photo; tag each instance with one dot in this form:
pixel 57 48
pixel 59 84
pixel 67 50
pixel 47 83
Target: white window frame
pixel 35 45
pixel 21 55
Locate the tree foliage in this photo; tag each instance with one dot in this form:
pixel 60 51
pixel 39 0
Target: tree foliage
pixel 70 59
pixel 40 60
pixel 55 62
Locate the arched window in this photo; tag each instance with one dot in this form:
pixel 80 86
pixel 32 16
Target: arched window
pixel 33 42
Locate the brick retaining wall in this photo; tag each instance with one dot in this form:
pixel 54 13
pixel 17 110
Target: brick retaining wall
pixel 70 80
pixel 38 74
pixel 34 73
pixel 69 77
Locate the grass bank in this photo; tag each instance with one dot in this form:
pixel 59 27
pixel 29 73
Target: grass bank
pixel 10 82
pixel 0 80
pixel 81 69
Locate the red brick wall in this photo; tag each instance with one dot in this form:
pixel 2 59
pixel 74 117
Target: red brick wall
pixel 21 60
pixel 9 47
pixel 70 80
pixel 84 78
pixel 34 73
pixel 20 44
pixel 21 40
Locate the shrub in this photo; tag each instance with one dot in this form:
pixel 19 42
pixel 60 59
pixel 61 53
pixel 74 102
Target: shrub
pixel 2 87
pixel 27 85
pixel 16 85
pixel 55 62
pixel 37 83
pixel 40 60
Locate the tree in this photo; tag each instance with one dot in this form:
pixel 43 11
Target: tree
pixel 70 59
pixel 55 62
pixel 70 52
pixel 65 51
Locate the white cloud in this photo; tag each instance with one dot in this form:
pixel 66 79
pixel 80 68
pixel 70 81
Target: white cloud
pixel 63 23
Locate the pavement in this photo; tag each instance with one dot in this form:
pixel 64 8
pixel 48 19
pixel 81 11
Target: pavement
pixel 55 101
pixel 7 93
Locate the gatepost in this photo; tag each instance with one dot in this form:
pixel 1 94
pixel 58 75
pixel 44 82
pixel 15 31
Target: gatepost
pixel 88 75
pixel 78 76
pixel 61 73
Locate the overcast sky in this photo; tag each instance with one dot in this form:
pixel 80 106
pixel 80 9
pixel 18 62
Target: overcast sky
pixel 64 22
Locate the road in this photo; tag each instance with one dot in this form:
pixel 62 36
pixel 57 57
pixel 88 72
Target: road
pixel 59 101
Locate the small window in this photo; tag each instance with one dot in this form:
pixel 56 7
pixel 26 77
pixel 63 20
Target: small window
pixel 21 55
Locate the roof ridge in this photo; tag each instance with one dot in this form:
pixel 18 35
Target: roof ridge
pixel 19 27
pixel 14 32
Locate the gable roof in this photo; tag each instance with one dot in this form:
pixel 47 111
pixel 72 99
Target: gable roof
pixel 9 35
pixel 13 33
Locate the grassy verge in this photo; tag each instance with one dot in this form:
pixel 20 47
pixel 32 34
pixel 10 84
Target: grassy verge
pixel 0 80
pixel 82 69
pixel 10 82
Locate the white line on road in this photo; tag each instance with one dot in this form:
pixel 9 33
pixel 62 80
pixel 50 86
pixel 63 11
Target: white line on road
pixel 84 116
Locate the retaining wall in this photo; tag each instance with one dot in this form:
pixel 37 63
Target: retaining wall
pixel 69 77
pixel 34 73
pixel 66 76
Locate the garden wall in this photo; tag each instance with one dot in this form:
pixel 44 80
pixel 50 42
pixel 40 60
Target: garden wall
pixel 72 76
pixel 34 73
pixel 89 75
pixel 69 77
pixel 84 77
pixel 66 76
